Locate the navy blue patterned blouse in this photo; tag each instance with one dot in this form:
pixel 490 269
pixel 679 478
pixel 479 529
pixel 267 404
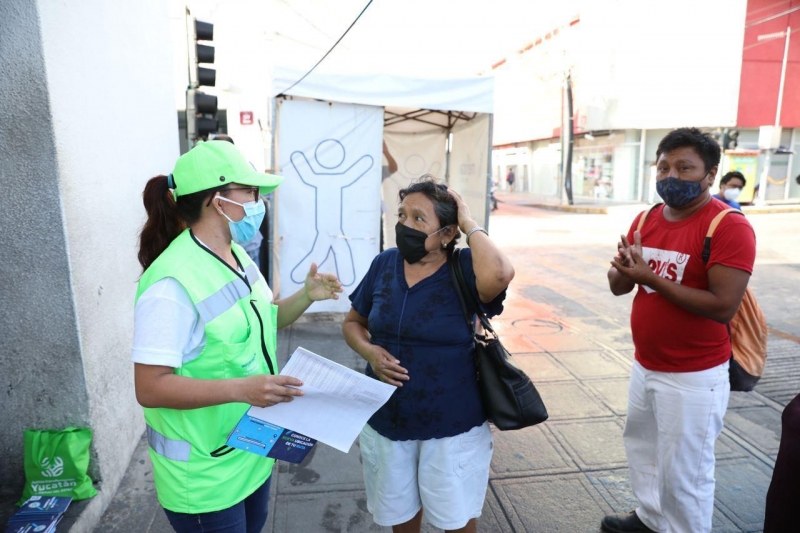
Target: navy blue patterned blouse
pixel 424 328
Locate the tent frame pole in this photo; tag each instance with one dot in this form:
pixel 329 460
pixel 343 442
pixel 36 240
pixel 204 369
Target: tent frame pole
pixel 488 180
pixel 448 133
pixel 397 118
pixel 273 257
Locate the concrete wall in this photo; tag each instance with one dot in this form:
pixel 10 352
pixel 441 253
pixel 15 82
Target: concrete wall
pixel 41 375
pixel 93 119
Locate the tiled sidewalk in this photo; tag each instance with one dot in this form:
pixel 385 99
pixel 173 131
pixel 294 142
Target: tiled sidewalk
pixel 573 338
pixel 563 475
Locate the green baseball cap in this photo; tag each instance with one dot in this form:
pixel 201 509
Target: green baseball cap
pixel 214 163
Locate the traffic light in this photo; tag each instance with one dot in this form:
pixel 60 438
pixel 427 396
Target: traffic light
pixel 201 114
pixel 733 137
pixel 730 139
pixel 204 31
pixel 201 108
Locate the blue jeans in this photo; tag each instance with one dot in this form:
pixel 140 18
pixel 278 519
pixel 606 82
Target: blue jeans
pixel 247 516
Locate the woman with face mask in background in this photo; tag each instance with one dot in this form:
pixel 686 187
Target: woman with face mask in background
pixel 205 329
pixel 428 449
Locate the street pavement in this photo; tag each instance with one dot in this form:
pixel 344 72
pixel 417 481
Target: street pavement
pixel 572 337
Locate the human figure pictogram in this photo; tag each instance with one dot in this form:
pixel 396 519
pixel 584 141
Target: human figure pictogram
pixel 329 183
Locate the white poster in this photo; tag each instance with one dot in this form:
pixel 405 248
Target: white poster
pixel 416 154
pixel 329 204
pixel 469 165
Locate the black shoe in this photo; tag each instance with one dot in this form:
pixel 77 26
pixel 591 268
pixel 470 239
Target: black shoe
pixel 624 523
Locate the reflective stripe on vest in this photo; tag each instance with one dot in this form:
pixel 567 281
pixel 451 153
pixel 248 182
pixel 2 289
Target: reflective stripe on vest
pixel 225 298
pixel 177 450
pixel 222 300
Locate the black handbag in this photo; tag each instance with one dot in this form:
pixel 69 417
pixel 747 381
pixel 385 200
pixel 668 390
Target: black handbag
pixel 509 398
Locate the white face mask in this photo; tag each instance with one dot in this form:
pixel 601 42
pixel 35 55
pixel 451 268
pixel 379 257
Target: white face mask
pixel 732 194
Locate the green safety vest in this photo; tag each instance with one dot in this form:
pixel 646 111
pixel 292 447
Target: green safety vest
pixel 192 473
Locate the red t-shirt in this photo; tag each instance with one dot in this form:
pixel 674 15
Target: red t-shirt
pixel 667 337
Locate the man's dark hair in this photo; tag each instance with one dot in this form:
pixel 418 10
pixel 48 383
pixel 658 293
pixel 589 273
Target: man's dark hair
pixel 730 175
pixel 703 143
pixel 223 137
pixel 444 205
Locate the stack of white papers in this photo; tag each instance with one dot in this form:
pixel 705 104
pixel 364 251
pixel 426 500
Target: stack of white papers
pixel 336 404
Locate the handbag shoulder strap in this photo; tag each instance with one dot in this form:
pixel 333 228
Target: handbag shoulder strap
pixel 471 305
pixel 453 264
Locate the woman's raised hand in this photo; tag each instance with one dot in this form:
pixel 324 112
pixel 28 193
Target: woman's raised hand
pixel 465 220
pixel 321 286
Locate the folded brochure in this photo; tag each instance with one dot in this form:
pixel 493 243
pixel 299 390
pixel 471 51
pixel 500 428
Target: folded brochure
pixel 38 505
pixel 34 525
pixel 39 514
pixel 268 440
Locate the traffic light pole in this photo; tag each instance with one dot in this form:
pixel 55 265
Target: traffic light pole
pixel 191 112
pixel 191 116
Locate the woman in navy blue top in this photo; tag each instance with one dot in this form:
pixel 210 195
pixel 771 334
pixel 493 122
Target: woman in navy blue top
pixel 429 447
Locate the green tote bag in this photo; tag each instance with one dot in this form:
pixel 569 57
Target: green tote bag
pixel 56 463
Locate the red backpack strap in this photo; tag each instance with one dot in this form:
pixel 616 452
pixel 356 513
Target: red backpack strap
pixel 711 229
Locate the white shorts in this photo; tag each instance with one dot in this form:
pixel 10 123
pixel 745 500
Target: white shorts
pixel 446 477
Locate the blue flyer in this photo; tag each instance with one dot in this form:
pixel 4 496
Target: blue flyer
pixel 268 440
pixel 37 506
pixel 33 525
pixel 292 447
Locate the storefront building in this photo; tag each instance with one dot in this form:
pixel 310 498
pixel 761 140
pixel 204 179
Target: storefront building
pixel 623 108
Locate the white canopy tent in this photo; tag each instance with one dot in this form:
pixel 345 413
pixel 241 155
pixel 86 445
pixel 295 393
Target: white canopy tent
pixel 328 132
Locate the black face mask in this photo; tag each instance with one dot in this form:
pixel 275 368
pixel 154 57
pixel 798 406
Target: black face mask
pixel 411 242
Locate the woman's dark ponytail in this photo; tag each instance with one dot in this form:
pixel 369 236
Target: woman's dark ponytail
pixel 166 218
pixel 163 221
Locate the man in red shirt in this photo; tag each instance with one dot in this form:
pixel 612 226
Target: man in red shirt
pixel 679 384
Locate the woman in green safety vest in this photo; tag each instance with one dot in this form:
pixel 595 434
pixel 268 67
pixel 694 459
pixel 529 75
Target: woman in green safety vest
pixel 205 338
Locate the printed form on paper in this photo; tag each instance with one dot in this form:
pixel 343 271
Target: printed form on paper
pixel 336 404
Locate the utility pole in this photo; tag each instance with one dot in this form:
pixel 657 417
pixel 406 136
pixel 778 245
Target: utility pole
pixel 567 140
pixel 762 182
